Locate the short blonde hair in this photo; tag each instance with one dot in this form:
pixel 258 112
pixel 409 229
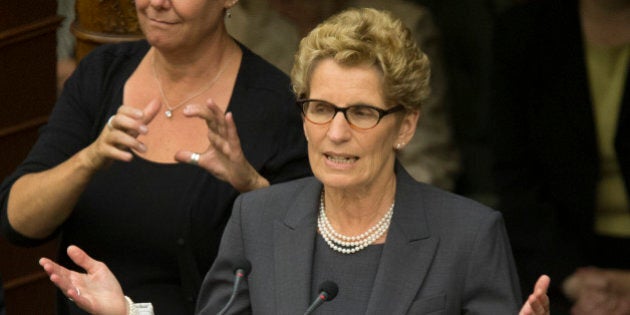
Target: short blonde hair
pixel 367 36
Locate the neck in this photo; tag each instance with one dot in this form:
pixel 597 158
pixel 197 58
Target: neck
pixel 353 211
pixel 194 62
pixel 182 80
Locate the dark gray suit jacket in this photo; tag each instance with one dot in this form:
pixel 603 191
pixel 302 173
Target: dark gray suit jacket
pixel 444 254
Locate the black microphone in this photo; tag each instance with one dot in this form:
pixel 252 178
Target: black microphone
pixel 243 267
pixel 327 292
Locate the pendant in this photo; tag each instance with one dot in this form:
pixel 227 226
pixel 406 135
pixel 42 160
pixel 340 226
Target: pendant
pixel 168 113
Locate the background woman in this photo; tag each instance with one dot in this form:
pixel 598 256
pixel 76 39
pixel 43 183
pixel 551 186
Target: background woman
pixel 391 244
pixel 562 148
pixel 106 176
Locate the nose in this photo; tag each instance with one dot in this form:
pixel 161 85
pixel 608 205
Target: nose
pixel 161 3
pixel 339 128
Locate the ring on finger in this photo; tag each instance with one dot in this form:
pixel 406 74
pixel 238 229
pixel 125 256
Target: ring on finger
pixel 109 122
pixel 194 159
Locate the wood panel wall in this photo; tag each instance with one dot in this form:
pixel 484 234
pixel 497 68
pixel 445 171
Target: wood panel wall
pixel 105 22
pixel 27 94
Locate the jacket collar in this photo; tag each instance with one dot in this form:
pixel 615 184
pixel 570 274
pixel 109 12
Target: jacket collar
pixel 407 253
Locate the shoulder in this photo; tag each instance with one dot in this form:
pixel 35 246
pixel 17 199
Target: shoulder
pixel 258 73
pixel 101 72
pixel 450 202
pixel 284 193
pixel 108 53
pixel 262 95
pixel 274 202
pixel 110 62
pixel 443 212
pixel 122 49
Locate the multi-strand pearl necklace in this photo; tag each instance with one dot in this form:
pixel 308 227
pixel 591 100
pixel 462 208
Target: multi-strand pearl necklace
pixel 351 244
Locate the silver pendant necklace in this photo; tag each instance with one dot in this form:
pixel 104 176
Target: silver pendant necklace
pixel 169 110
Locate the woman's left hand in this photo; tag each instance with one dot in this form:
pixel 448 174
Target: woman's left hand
pixel 224 157
pixel 538 302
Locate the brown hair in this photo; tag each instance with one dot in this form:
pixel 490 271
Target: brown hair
pixel 367 36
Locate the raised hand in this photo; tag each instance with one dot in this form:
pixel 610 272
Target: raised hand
pixel 598 291
pixel 538 302
pixel 224 157
pixel 97 291
pixel 120 135
pixel 598 302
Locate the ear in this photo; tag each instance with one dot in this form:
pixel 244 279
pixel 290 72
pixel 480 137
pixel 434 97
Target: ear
pixel 304 127
pixel 407 129
pixel 228 4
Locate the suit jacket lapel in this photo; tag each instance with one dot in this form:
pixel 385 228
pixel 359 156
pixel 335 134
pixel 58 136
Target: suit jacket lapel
pixel 407 254
pixel 294 241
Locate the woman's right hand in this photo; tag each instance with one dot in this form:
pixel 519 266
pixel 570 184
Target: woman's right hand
pixel 40 202
pixel 97 291
pixel 120 135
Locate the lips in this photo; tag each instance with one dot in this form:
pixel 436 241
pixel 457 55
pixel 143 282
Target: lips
pixel 161 21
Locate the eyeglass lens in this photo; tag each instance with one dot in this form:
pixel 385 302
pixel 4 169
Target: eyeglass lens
pixel 321 112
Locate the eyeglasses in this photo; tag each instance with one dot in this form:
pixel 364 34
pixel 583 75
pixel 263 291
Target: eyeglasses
pixel 359 116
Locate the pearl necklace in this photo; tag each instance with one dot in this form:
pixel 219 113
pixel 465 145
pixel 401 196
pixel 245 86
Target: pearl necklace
pixel 169 110
pixel 351 244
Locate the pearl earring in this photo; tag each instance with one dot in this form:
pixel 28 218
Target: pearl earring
pixel 228 11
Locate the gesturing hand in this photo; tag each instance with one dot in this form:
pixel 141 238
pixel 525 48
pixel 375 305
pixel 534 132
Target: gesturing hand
pixel 224 157
pixel 598 291
pixel 538 302
pixel 97 291
pixel 120 135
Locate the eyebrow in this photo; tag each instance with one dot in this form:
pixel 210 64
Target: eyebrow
pixel 359 103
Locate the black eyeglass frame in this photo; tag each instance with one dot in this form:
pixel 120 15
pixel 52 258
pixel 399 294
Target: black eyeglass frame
pixel 381 112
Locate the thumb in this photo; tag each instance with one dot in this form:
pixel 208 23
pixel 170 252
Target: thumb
pixel 82 259
pixel 151 110
pixel 542 284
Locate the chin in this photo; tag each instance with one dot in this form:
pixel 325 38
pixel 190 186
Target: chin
pixel 337 180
